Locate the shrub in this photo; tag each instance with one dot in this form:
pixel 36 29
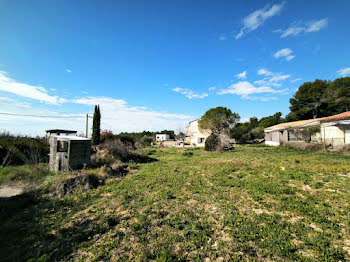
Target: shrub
pixel 187 154
pixel 119 150
pixel 22 150
pixel 212 143
pixel 116 149
pixel 146 140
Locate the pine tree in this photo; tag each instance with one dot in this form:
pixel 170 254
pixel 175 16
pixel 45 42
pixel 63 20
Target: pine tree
pixel 96 126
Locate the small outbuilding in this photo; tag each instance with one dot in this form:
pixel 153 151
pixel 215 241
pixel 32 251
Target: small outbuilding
pixel 69 152
pixel 162 137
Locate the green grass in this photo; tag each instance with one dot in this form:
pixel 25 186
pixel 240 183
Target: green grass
pixel 24 174
pixel 253 203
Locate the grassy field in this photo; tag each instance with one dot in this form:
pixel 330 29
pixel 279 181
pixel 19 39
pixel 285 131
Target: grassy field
pixel 254 203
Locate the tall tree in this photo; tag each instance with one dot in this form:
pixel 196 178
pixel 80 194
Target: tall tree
pixel 96 126
pixel 337 96
pixel 271 120
pixel 218 120
pixel 308 101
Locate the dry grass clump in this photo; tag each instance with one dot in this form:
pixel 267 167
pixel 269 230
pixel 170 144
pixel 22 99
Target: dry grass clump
pixel 344 149
pixel 78 181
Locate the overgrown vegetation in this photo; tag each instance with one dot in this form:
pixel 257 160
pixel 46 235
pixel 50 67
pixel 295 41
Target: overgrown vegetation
pixel 253 131
pixel 320 98
pixel 19 150
pixel 256 203
pixel 212 143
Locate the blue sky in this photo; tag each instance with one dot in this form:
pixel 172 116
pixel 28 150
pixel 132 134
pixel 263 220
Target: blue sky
pixel 158 64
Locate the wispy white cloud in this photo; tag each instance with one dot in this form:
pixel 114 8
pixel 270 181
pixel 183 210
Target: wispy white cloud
pixel 270 77
pixel 265 72
pixel 118 115
pixel 39 93
pixel 299 28
pixel 212 88
pixel 258 17
pixel 245 89
pixel 242 75
pixel 68 71
pixel 285 53
pixel 296 80
pixel 189 93
pixel 344 71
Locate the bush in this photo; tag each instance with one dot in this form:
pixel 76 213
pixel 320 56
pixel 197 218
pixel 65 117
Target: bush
pixel 116 149
pixel 187 154
pixel 22 150
pixel 146 140
pixel 212 143
pixel 119 150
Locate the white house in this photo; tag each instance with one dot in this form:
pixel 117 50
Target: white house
pixel 335 130
pixel 162 137
pixel 332 130
pixel 297 131
pixel 194 136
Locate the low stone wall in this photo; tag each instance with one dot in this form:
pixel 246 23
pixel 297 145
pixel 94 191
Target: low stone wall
pixel 304 145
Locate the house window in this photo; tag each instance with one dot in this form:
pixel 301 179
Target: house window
pixel 201 140
pixel 62 146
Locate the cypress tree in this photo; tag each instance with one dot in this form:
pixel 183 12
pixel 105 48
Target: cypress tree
pixel 96 126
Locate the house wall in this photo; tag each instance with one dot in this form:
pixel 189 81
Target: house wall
pixel 272 138
pixel 275 138
pixel 197 138
pixel 162 137
pixel 334 135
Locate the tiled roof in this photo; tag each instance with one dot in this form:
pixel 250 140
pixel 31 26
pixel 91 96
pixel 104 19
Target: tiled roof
pixel 342 116
pixel 294 124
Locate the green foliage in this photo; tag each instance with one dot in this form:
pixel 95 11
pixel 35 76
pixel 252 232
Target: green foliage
pixel 96 126
pixel 146 141
pixel 212 143
pixel 217 120
pixel 187 153
pixel 337 96
pixel 307 102
pixel 271 120
pixel 254 129
pixel 18 150
pixel 24 174
pixel 320 98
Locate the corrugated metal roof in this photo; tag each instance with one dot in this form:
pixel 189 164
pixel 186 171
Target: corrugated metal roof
pixel 342 116
pixel 295 124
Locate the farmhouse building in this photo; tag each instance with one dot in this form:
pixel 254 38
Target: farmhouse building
pixel 292 131
pixel 194 136
pixel 332 131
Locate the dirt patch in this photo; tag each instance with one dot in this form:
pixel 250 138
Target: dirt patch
pixel 315 227
pixel 11 191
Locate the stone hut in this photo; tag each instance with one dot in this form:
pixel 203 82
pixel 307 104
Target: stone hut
pixel 69 152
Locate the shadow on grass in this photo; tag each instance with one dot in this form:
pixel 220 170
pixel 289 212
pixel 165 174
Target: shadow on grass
pixel 27 230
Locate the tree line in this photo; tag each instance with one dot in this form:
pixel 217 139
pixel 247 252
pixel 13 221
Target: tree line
pixel 315 99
